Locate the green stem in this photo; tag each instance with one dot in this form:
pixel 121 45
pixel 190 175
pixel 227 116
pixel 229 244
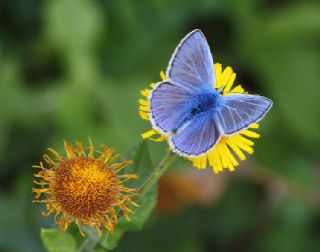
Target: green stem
pixel 156 174
pixel 90 242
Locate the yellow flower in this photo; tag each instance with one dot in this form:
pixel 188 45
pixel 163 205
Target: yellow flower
pixel 229 148
pixel 84 189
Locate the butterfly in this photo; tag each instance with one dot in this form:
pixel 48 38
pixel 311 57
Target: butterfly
pixel 189 111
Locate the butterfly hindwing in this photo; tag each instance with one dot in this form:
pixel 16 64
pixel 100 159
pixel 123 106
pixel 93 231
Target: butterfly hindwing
pixel 191 65
pixel 196 137
pixel 238 111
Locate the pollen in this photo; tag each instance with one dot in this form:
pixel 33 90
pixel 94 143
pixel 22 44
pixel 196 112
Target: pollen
pixel 84 189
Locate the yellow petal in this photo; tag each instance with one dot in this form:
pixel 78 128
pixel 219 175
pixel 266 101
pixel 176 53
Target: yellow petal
pixel 149 133
pixel 163 75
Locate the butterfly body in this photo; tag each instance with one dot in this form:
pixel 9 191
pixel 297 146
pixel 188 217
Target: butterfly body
pixel 207 102
pixel 201 105
pixel 190 111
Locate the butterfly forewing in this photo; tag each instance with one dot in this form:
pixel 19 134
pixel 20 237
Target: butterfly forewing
pixel 239 111
pixel 191 64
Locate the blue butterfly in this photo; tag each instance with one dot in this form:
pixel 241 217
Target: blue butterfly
pixel 189 111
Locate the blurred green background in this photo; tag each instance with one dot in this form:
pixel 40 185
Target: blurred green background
pixel 74 68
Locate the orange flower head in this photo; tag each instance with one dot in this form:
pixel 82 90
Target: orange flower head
pixel 83 189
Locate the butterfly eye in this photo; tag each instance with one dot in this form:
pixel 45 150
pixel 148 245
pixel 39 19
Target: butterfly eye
pixel 196 110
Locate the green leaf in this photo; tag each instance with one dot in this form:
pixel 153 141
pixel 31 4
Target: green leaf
pixel 57 241
pixel 143 167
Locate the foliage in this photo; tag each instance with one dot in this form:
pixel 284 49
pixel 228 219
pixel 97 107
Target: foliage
pixel 73 69
pixel 56 241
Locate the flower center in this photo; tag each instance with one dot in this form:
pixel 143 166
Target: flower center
pixel 85 187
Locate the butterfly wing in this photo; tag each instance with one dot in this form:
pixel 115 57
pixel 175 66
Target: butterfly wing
pixel 238 111
pixel 169 104
pixel 191 64
pixel 196 137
